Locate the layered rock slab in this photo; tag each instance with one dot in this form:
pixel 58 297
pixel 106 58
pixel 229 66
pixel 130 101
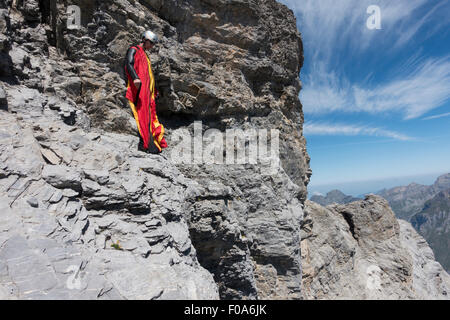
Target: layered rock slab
pixel 95 228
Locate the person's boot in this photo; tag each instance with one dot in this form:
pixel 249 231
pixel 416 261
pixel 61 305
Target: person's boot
pixel 141 145
pixel 152 148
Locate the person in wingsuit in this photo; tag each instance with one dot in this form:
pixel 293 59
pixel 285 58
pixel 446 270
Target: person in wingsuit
pixel 142 94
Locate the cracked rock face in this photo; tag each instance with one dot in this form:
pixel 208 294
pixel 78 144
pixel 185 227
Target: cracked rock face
pixel 97 219
pixel 244 234
pixel 361 251
pixel 97 227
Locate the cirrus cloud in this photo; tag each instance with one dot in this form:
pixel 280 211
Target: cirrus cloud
pixel 321 128
pixel 336 39
pixel 425 88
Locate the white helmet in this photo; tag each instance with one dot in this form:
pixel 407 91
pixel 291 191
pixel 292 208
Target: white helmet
pixel 148 35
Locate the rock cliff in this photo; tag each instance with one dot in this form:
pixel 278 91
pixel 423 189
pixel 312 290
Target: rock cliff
pixel 361 251
pixel 85 215
pixel 427 208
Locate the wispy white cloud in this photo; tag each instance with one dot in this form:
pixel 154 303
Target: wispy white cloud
pixel 437 116
pixel 419 84
pixel 421 90
pixel 408 26
pixel 326 24
pixel 320 128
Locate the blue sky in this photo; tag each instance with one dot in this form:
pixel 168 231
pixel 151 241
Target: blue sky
pixel 376 101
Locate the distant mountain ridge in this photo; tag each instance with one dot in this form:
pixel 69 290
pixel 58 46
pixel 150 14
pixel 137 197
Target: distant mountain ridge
pixel 334 196
pixel 433 223
pixel 408 200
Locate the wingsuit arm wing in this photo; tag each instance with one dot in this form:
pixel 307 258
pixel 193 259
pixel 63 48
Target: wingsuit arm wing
pixel 129 63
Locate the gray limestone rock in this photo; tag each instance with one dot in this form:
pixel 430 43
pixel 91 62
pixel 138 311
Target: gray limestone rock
pixel 240 229
pixel 33 202
pixel 361 251
pixel 62 177
pixel 430 280
pixel 69 246
pixel 50 156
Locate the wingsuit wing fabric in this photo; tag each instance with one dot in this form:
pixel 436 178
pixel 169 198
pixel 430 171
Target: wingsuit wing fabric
pixel 142 102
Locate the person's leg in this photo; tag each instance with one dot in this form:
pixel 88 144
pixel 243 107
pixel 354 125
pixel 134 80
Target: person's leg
pixel 135 114
pixel 136 118
pixel 152 148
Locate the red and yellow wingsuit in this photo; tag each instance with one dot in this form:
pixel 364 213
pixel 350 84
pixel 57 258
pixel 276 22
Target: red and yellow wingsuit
pixel 142 101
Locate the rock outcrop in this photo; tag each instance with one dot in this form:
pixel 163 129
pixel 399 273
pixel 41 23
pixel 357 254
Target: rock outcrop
pixel 94 217
pixel 361 251
pixel 427 208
